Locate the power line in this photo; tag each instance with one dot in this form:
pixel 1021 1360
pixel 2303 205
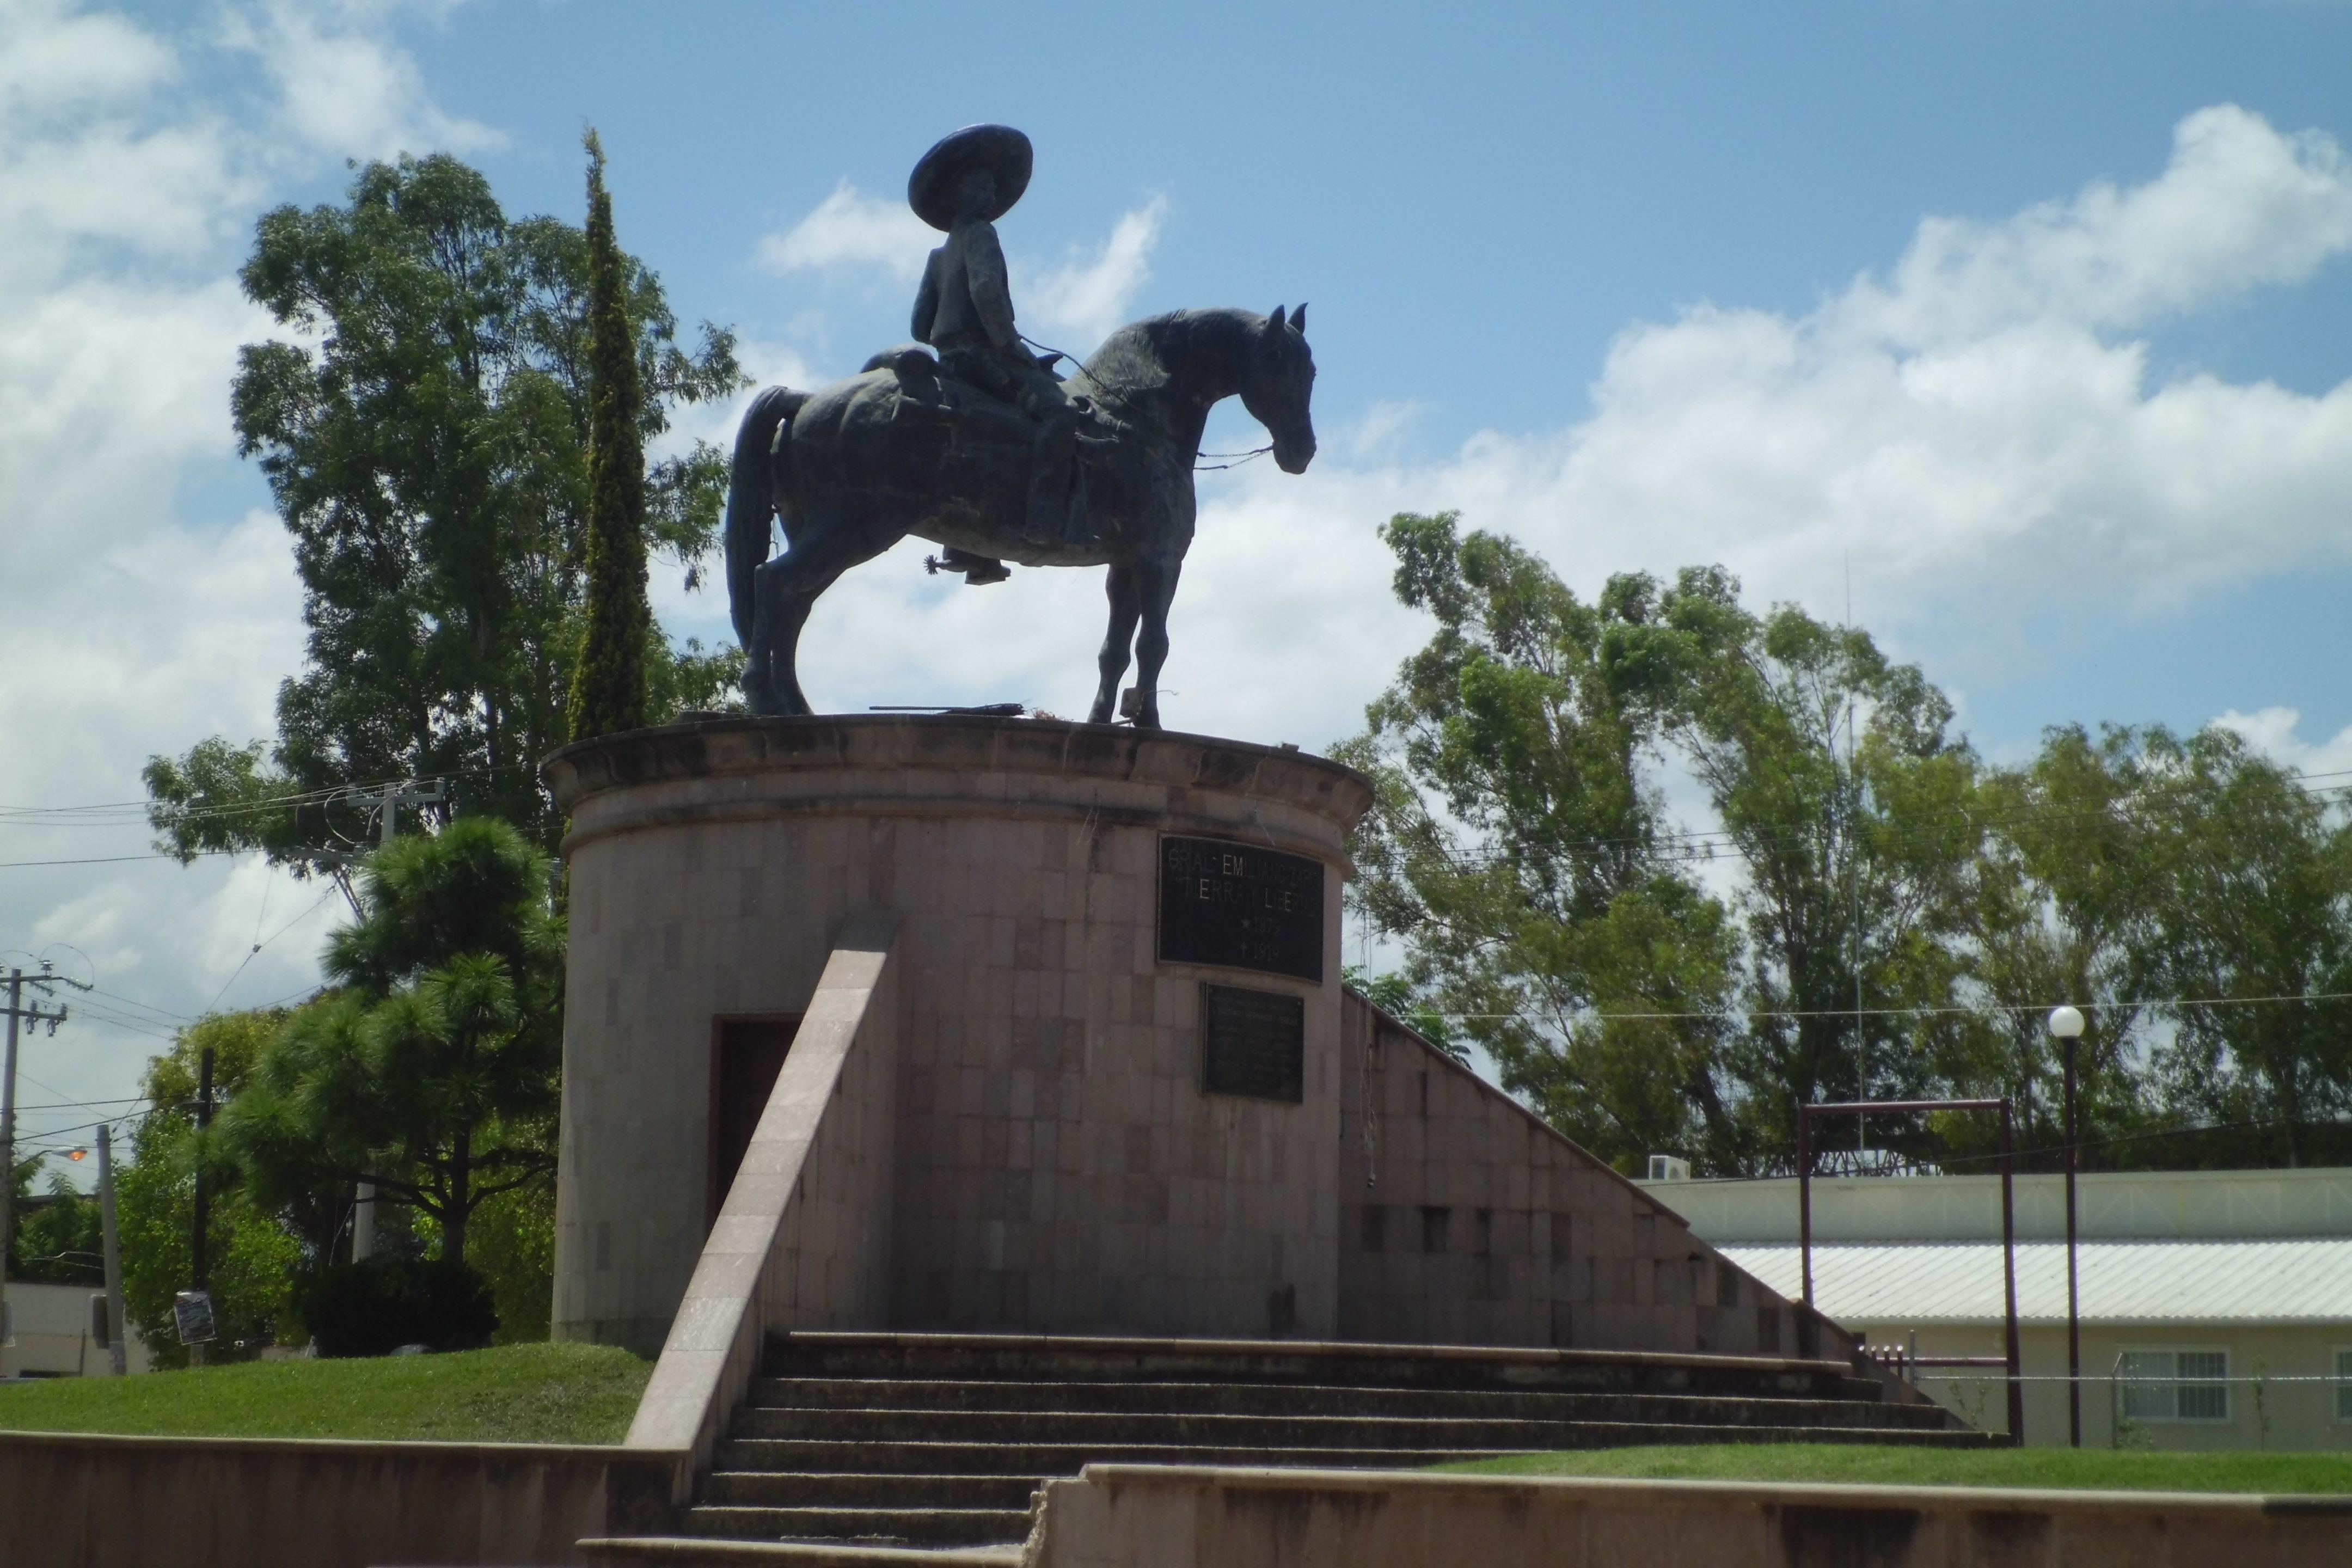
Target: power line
pixel 117 813
pixel 1700 845
pixel 125 859
pixel 1734 1014
pixel 143 1007
pixel 1942 1161
pixel 257 946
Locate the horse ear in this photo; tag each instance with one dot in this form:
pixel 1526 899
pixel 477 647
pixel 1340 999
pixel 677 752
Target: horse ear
pixel 1274 324
pixel 1298 321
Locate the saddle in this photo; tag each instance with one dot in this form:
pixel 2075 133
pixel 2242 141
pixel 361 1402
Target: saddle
pixel 931 396
pixel 918 363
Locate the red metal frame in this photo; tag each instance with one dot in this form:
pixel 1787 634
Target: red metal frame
pixel 1805 1114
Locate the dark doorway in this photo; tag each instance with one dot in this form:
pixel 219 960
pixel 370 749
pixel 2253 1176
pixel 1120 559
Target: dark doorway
pixel 746 1057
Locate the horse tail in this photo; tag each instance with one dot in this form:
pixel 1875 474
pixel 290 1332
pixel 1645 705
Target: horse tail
pixel 751 498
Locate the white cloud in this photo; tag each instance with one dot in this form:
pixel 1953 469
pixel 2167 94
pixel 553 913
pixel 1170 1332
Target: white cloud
pixel 1086 293
pixel 2276 734
pixel 1968 429
pixel 852 229
pixel 1374 435
pixel 344 87
pixel 52 59
pixel 2241 205
pixel 134 617
pixel 1089 293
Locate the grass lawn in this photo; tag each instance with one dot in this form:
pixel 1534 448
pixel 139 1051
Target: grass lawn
pixel 1889 1465
pixel 513 1394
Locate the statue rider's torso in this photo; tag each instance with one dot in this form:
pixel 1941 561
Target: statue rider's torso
pixel 970 299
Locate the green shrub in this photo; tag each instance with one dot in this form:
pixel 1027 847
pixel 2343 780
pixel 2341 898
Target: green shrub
pixel 375 1307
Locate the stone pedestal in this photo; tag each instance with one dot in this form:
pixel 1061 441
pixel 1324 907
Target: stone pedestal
pixel 1061 1164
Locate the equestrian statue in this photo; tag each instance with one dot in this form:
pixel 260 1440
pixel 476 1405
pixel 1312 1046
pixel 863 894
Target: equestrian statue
pixel 977 445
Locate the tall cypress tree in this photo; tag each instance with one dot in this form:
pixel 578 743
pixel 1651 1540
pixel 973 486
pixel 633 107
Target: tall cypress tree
pixel 608 685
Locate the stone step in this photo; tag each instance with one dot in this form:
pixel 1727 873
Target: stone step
pixel 1045 1358
pixel 826 1457
pixel 774 1488
pixel 821 1395
pixel 835 1457
pixel 696 1551
pixel 1110 1427
pixel 863 1526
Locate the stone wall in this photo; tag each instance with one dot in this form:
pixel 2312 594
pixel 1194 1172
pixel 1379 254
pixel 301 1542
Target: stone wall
pixel 1127 1516
pixel 78 1500
pixel 1465 1220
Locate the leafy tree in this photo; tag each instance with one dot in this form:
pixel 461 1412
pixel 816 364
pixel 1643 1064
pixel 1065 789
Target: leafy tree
pixel 425 429
pixel 431 1071
pixel 608 684
pixel 1900 918
pixel 513 1243
pixel 2255 882
pixel 58 1236
pixel 1856 858
pixel 2066 885
pixel 1516 846
pixel 254 1258
pixel 1393 994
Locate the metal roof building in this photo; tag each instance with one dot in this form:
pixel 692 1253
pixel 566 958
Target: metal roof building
pixel 2298 1281
pixel 2216 1306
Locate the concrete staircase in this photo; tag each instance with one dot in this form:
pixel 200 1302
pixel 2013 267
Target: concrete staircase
pixel 878 1447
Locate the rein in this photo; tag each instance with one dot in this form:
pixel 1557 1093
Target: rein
pixel 1239 458
pixel 1111 394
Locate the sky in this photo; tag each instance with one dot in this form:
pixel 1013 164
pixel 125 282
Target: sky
pixel 2021 333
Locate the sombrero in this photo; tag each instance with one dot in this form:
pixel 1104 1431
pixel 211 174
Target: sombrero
pixel 1001 150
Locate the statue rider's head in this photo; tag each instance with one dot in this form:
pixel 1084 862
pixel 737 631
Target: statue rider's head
pixel 975 194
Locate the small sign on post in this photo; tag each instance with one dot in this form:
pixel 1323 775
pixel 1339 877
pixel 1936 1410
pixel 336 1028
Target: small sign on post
pixel 192 1314
pixel 101 1329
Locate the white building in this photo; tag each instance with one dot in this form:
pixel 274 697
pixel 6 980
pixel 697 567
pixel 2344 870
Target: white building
pixel 2216 1306
pixel 48 1334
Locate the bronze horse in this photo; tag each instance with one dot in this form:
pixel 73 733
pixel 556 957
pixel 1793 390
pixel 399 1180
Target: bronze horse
pixel 901 449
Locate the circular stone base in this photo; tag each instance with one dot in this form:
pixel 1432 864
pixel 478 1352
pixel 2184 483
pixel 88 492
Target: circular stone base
pixel 1061 1166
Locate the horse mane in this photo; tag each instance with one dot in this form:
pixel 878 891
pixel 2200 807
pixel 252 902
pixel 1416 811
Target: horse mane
pixel 1136 358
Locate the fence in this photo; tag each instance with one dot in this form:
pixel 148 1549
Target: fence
pixel 2148 1408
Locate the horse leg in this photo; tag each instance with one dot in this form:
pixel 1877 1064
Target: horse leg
pixel 1126 605
pixel 788 587
pixel 1156 583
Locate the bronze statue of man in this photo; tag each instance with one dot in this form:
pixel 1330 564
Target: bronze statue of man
pixel 963 309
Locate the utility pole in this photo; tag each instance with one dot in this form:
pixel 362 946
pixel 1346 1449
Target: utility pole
pixel 390 800
pixel 2066 1023
pixel 19 1011
pixel 116 1355
pixel 199 1254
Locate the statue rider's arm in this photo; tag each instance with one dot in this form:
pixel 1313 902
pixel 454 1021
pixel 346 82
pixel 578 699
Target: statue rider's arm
pixel 927 299
pixel 991 291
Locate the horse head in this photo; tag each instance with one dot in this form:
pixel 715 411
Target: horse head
pixel 1277 383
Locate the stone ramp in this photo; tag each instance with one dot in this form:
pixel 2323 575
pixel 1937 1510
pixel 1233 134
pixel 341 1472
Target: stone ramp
pixel 936 1443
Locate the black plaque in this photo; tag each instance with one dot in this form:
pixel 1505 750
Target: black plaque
pixel 1252 1043
pixel 1240 906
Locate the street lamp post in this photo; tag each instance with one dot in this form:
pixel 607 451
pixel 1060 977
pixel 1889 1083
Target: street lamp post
pixel 2067 1026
